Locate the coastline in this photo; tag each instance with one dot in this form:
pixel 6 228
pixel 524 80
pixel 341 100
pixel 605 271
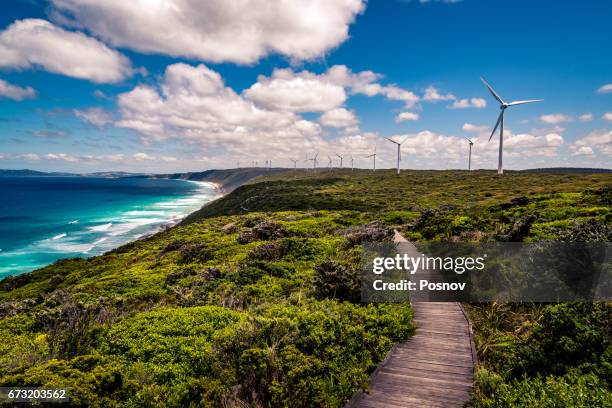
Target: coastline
pixel 218 187
pixel 21 260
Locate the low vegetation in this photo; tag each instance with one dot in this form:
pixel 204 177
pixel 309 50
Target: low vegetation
pixel 255 299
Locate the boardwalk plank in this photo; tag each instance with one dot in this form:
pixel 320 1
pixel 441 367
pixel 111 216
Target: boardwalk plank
pixel 433 368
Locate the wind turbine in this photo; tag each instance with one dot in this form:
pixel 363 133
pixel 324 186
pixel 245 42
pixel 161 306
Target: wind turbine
pixel 470 156
pixel 399 155
pixel 294 163
pixel 500 121
pixel 352 161
pixel 329 162
pixel 374 156
pixel 314 160
pixel 341 158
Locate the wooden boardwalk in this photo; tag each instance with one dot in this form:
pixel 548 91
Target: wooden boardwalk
pixel 433 368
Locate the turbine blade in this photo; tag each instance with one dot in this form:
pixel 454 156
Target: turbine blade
pixel 468 139
pixel 406 138
pixel 523 102
pixel 391 140
pixel 495 95
pixel 497 124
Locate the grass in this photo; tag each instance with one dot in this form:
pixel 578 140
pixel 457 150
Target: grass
pixel 254 299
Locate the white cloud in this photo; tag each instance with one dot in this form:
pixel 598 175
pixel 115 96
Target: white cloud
pixel 583 151
pixel 194 104
pixel 61 157
pixel 216 30
pixel 607 116
pixel 403 116
pixel 433 95
pixel 367 83
pixel 16 93
pixel 28 156
pixel 555 118
pixel 33 43
pixel 599 140
pixel 339 118
pixel 604 89
pixel 468 127
pixel 587 117
pixel 301 92
pixel 477 103
pixel 95 116
pixel 142 157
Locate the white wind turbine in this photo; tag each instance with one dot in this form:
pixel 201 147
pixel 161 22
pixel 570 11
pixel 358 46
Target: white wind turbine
pixel 341 159
pixel 294 163
pixel 399 155
pixel 352 163
pixel 329 162
pixel 500 121
pixel 470 156
pixel 373 155
pixel 314 160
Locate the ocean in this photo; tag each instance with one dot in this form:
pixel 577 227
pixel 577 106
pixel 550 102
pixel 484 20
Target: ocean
pixel 43 219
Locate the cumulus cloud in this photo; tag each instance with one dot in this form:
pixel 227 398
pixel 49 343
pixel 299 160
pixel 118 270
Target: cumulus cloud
pixel 404 116
pixel 32 43
pixel 555 118
pixel 597 140
pixel 468 127
pixel 607 116
pixel 301 92
pixel 477 103
pixel 216 30
pixel 604 89
pixel 583 151
pixel 97 117
pixel 433 95
pixel 194 104
pixel 14 92
pixel 339 118
pixel 587 117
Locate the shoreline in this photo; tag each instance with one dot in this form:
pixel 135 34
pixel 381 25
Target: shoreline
pixel 176 221
pixel 164 226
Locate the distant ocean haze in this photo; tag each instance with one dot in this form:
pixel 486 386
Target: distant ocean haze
pixel 43 219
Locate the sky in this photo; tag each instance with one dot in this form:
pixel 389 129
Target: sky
pixel 185 85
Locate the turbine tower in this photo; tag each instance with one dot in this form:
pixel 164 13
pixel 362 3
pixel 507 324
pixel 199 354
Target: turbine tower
pixel 294 163
pixel 500 121
pixel 329 162
pixel 373 155
pixel 314 160
pixel 341 158
pixel 352 162
pixel 470 156
pixel 399 155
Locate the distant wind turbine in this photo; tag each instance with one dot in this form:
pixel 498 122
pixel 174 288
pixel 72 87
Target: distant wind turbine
pixel 500 121
pixel 329 162
pixel 470 156
pixel 314 160
pixel 341 158
pixel 399 155
pixel 373 155
pixel 352 161
pixel 294 163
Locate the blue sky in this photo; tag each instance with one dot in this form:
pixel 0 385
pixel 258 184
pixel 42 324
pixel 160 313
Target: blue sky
pixel 90 85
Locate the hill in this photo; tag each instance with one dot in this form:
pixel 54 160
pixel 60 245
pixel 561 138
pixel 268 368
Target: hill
pixel 255 299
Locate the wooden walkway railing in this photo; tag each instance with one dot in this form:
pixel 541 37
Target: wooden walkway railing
pixel 433 368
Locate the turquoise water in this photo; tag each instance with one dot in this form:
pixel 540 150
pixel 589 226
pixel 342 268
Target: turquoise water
pixel 43 219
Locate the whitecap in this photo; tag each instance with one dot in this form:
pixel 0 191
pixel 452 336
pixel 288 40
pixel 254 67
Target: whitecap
pixel 74 222
pixel 102 227
pixel 59 236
